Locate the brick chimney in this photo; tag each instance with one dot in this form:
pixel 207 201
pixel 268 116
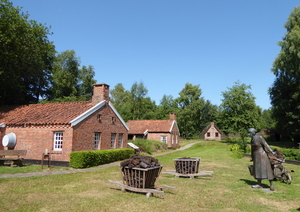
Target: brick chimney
pixel 172 116
pixel 101 92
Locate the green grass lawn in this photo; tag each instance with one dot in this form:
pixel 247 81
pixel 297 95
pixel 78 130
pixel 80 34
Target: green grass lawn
pixel 228 189
pixel 27 168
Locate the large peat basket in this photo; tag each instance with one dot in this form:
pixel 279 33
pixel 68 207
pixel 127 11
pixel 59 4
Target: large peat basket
pixel 187 167
pixel 140 178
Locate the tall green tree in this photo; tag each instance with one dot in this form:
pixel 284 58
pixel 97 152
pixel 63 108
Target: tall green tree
pixel 239 111
pixel 141 105
pixel 209 113
pixel 119 95
pixel 69 81
pixel 65 74
pixel 190 106
pixel 267 120
pixel 167 105
pixel 133 104
pixel 86 81
pixel 285 91
pixel 26 55
pixel 121 99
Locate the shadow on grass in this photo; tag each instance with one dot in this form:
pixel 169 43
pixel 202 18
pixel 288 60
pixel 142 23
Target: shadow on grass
pixel 159 196
pixel 254 182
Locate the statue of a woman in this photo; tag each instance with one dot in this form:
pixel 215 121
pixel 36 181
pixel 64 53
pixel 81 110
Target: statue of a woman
pixel 262 169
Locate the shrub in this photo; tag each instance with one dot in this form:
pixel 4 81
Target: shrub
pixel 85 159
pixel 235 147
pixel 240 146
pixel 291 154
pixel 239 149
pixel 149 146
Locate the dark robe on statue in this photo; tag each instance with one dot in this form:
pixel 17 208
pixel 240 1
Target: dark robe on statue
pixel 262 169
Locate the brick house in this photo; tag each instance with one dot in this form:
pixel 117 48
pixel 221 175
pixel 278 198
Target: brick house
pixel 212 132
pixel 159 130
pixel 62 128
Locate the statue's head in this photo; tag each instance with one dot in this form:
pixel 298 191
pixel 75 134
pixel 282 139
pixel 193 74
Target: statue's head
pixel 251 132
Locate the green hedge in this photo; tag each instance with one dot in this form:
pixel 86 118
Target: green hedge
pixel 290 154
pixel 85 159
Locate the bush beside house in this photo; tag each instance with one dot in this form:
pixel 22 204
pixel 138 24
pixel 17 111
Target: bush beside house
pixel 86 159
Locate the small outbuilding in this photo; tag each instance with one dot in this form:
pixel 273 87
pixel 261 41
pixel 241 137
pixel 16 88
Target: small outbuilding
pixel 212 132
pixel 165 131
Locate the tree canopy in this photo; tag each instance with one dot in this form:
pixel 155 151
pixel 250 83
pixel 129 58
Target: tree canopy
pixel 238 110
pixel 69 81
pixel 134 104
pixel 193 112
pixel 285 91
pixel 26 56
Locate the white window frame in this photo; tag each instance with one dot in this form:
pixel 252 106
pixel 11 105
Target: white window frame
pixel 113 140
pixel 120 140
pixel 163 139
pixel 172 138
pixel 97 140
pixel 58 141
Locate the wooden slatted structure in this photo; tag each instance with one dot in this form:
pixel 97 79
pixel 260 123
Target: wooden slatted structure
pixel 187 165
pixel 141 178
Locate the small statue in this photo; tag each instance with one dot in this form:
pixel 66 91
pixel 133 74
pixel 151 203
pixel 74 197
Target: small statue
pixel 262 169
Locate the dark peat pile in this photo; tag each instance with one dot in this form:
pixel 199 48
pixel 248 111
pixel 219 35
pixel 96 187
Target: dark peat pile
pixel 140 161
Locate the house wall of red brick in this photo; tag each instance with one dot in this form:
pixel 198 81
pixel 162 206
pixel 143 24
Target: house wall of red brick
pixel 172 138
pixel 175 137
pixel 157 136
pixel 2 133
pixel 100 121
pixel 37 139
pixel 212 134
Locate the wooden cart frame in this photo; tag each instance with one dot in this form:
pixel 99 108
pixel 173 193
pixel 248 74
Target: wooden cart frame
pixel 141 180
pixel 187 167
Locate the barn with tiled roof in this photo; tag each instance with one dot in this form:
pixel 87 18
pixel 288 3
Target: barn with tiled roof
pixel 160 130
pixel 61 128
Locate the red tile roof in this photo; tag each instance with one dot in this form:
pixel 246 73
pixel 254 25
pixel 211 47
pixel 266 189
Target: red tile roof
pixel 140 126
pixel 50 113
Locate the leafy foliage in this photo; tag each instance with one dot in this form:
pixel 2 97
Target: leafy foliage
pixel 239 149
pixel 285 91
pixel 149 146
pixel 85 159
pixel 26 57
pixel 69 81
pixel 193 112
pixel 239 111
pixel 266 120
pixel 133 104
pixel 167 105
pixel 291 154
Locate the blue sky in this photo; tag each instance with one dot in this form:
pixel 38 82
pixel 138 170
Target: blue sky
pixel 168 43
